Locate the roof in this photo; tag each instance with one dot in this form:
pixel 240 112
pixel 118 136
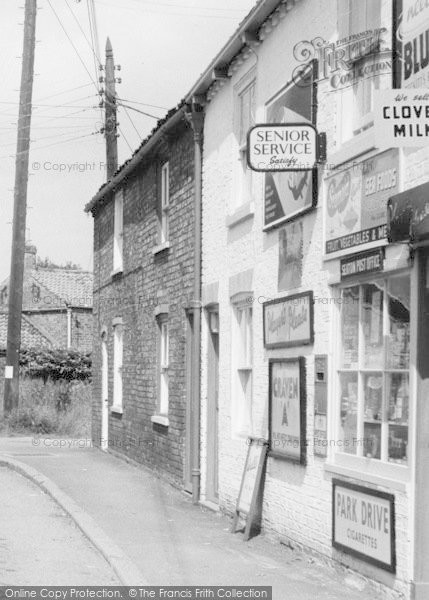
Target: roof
pixel 72 287
pixel 249 25
pixel 31 336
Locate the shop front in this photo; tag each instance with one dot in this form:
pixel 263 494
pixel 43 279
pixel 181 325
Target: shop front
pixel 408 224
pixel 372 412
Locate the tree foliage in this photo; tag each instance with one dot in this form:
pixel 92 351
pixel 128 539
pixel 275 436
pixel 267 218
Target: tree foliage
pixel 55 364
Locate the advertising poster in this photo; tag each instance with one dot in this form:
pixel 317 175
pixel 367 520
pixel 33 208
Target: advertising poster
pixel 291 253
pixel 401 117
pixel 364 524
pixel 286 409
pixel 356 203
pixel 289 321
pixel 289 194
pixel 412 65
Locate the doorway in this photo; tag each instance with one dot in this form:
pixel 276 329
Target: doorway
pixel 104 441
pixel 212 406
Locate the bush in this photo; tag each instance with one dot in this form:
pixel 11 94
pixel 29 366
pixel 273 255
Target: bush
pixel 55 364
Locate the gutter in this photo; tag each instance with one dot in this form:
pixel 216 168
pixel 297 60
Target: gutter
pixel 234 45
pixel 139 155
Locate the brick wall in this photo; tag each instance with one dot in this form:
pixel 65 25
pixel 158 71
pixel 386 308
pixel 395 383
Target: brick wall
pixel 297 500
pixel 147 281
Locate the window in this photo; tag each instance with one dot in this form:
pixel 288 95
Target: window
pixel 242 371
pixel 163 366
pixel 355 83
pixel 117 368
pixel 165 202
pixel 245 120
pixel 373 373
pixel 118 232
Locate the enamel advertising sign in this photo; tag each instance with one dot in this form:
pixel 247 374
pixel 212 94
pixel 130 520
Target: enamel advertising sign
pixel 287 409
pixel 401 117
pixel 363 523
pixel 278 147
pixel 412 35
pixel 356 204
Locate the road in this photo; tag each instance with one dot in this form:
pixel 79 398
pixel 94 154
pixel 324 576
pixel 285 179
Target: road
pixel 40 544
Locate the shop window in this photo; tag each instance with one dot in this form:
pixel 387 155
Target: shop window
pixel 373 369
pixel 118 234
pixel 163 400
pixel 246 106
pixel 242 371
pixel 117 368
pixel 165 203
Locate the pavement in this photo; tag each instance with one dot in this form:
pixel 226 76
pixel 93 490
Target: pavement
pixel 149 530
pixel 40 544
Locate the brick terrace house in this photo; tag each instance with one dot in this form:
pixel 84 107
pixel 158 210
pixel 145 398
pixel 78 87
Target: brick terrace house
pixel 144 264
pixel 57 307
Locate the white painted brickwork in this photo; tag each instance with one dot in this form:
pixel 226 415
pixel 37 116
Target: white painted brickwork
pixel 297 500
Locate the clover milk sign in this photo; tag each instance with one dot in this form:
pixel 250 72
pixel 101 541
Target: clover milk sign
pixel 363 523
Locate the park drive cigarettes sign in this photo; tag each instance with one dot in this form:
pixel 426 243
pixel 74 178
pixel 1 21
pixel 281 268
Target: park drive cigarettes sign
pixel 363 523
pixel 280 147
pixel 402 117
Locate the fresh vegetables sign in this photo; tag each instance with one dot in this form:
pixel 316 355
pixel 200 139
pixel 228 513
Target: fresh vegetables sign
pixel 356 203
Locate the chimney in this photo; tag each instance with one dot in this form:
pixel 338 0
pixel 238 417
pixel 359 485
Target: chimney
pixel 30 259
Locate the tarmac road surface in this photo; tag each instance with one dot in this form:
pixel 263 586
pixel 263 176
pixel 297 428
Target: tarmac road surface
pixel 40 544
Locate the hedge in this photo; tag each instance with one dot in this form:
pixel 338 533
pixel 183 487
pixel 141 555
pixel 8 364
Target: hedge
pixel 50 363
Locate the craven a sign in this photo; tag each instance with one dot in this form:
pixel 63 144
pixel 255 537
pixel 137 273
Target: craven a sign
pixel 401 117
pixel 363 523
pixel 282 147
pixel 287 409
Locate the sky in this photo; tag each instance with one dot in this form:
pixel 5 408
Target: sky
pixel 161 47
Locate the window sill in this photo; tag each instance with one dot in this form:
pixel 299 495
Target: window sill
pixel 116 273
pixel 160 248
pixel 353 148
pixel 244 212
pixel 160 420
pixel 117 410
pixel 374 472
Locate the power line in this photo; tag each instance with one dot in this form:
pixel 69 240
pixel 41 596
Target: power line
pixel 168 13
pixel 64 92
pixel 123 135
pixel 125 106
pixel 143 103
pixel 71 42
pixel 56 143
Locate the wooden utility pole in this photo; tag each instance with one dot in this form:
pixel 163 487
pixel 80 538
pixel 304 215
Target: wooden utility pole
pixel 11 388
pixel 110 127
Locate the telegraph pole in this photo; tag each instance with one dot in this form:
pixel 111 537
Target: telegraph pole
pixel 11 388
pixel 110 127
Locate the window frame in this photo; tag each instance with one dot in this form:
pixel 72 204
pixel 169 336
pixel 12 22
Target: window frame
pixel 242 370
pixel 242 189
pixel 118 232
pixel 360 467
pixel 118 357
pixel 164 222
pixel 163 366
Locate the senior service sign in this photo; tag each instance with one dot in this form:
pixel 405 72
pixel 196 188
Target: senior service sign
pixel 363 523
pixel 282 147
